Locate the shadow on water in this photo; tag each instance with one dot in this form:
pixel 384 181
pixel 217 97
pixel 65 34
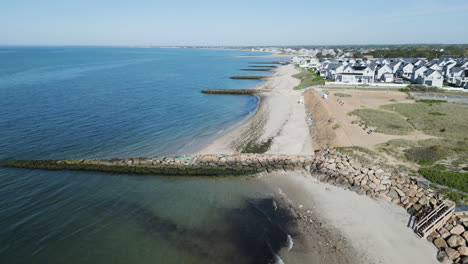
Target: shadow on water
pixel 251 234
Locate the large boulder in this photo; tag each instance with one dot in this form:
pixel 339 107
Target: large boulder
pixel 393 194
pixel 463 250
pixel 441 256
pixel 465 235
pixel 455 241
pixel 457 230
pixel 452 253
pixel 444 233
pixel 440 243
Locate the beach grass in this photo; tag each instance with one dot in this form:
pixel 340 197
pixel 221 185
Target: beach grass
pixel 446 120
pixel 342 95
pixel 308 77
pixel 384 122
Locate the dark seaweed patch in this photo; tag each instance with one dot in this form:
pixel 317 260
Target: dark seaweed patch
pixel 255 233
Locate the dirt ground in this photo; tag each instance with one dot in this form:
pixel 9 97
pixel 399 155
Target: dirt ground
pixel 337 128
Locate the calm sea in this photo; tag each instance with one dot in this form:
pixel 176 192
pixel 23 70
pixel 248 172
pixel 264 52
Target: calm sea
pixel 88 102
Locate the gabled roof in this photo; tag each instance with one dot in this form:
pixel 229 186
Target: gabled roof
pixel 430 72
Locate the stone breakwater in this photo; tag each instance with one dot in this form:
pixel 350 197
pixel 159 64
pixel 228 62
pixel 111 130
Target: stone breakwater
pixel 202 165
pixel 330 167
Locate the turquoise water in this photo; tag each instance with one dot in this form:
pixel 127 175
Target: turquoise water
pixel 87 102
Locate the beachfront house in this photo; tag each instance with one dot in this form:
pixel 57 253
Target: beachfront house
pixel 432 78
pixel 463 80
pixel 418 72
pixel 455 75
pixel 405 70
pixel 357 74
pixel 395 66
pixel 387 77
pixel 382 70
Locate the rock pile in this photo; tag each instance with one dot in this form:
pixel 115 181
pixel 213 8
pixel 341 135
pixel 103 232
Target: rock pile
pixel 409 192
pixel 452 240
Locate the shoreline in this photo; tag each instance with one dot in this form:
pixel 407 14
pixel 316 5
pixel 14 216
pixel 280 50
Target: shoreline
pixel 278 126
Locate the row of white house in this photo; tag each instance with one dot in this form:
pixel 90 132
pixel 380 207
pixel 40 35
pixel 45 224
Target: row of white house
pixel 453 71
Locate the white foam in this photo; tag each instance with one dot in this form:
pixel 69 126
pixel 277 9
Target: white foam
pixel 290 242
pixel 277 260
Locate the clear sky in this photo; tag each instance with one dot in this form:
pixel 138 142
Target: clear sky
pixel 241 22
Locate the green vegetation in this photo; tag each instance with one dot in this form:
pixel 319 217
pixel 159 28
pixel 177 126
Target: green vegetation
pixel 384 122
pixel 233 91
pixel 451 123
pixel 457 197
pixel 457 180
pixel 425 156
pixel 308 77
pixel 105 166
pixel 436 113
pixel 257 147
pixel 420 51
pixel 342 95
pixel 431 101
pixel 336 126
pixel 448 123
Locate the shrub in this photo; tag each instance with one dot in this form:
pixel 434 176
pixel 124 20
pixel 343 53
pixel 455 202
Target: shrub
pixel 424 155
pixel 342 95
pixel 436 113
pixel 431 101
pixel 457 180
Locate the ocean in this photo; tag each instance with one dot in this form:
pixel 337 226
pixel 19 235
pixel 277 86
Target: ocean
pixel 102 102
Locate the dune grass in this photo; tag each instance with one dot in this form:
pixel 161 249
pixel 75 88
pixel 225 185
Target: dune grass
pixel 447 120
pixel 342 95
pixel 308 77
pixel 384 122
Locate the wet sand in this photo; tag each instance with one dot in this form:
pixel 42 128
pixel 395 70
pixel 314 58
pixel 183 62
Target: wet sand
pixel 341 226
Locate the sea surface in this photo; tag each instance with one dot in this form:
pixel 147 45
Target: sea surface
pixel 96 102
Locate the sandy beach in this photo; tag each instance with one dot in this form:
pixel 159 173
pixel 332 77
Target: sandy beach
pixel 280 121
pixel 348 227
pixel 339 226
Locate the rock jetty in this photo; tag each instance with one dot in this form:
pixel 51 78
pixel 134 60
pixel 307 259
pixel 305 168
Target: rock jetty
pixel 331 167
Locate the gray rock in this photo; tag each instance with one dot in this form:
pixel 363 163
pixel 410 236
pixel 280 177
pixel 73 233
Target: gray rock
pixel 441 256
pixel 400 192
pixel 424 200
pixel 393 194
pixel 379 173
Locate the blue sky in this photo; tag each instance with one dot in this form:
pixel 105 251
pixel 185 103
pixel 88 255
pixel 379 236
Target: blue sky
pixel 253 22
